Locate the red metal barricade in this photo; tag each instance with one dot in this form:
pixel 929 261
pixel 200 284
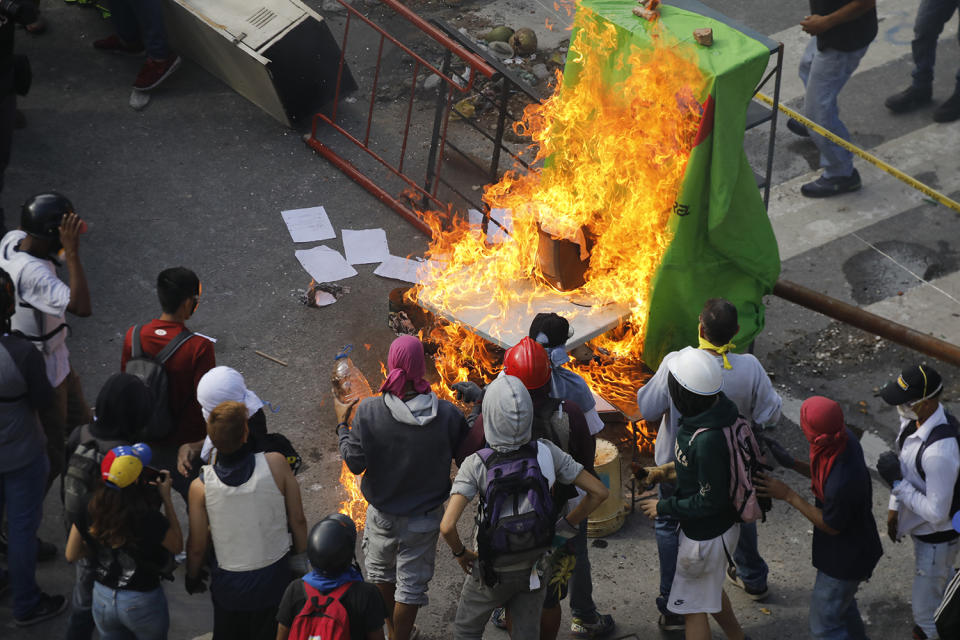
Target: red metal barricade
pixel 389 176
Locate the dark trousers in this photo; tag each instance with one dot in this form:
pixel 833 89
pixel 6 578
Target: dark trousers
pixel 8 115
pixel 244 625
pixel 932 15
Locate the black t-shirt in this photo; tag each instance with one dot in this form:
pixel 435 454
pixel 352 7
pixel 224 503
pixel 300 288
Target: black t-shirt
pixel 363 602
pixel 848 508
pixel 849 36
pixel 137 564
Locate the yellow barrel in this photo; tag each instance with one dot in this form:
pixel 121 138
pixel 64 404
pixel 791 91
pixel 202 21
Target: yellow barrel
pixel 609 516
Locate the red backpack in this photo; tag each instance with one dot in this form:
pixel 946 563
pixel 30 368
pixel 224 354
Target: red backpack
pixel 322 617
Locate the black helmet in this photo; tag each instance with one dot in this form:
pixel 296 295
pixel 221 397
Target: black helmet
pixel 41 214
pixel 8 296
pixel 331 543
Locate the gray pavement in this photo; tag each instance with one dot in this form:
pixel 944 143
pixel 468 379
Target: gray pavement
pixel 199 178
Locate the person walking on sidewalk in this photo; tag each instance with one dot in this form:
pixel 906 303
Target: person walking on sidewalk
pixel 24 388
pixel 932 15
pixel 403 441
pixel 747 384
pixel 140 28
pixel 922 480
pixel 842 30
pixel 846 545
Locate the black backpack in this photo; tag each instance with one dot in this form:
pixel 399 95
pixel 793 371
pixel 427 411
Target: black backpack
pixel 82 472
pixel 151 370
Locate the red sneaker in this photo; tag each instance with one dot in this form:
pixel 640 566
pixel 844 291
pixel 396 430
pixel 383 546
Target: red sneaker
pixel 114 44
pixel 153 72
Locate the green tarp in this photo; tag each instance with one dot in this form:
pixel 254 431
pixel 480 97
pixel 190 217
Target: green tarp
pixel 723 244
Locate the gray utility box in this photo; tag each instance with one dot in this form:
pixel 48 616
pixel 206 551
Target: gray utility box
pixel 279 54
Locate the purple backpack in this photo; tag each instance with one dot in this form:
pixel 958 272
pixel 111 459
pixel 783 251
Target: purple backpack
pixel 746 459
pixel 517 511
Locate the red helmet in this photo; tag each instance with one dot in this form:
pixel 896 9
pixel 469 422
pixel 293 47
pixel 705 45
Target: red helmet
pixel 528 361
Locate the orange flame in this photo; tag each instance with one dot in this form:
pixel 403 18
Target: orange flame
pixel 614 146
pixel 354 506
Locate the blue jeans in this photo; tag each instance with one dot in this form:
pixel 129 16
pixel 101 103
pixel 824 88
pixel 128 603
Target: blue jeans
pixel 21 494
pixel 581 584
pixel 933 568
pixel 931 16
pixel 121 614
pixel 824 73
pixel 833 610
pixel 141 21
pixel 81 625
pixel 750 565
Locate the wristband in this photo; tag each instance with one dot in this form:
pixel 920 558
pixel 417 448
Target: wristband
pixel 462 551
pixel 342 424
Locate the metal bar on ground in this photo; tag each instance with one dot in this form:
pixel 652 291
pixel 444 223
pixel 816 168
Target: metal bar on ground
pixel 872 159
pixel 373 92
pixel 857 317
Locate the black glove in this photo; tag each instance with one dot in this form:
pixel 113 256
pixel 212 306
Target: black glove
pixel 888 466
pixel 198 584
pixel 779 452
pixel 468 391
pixel 22 11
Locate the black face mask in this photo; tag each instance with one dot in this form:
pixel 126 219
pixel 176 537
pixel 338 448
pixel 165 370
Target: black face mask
pixel 689 404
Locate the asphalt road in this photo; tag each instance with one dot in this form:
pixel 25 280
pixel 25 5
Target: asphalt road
pixel 199 179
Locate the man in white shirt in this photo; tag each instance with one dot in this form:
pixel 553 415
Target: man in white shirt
pixel 923 479
pixel 48 224
pixel 746 383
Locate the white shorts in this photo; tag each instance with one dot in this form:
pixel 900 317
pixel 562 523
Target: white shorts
pixel 701 569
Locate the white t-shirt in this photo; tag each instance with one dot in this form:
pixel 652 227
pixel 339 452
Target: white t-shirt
pixel 40 287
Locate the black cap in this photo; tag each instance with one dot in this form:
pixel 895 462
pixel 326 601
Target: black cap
pixel 330 545
pixel 554 326
pixel 41 214
pixel 914 384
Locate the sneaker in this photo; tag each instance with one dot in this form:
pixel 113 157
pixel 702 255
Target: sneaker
pixel 499 618
pixel 909 99
pixel 797 129
pixel 48 607
pixel 153 72
pixel 949 110
pixel 114 44
pixel 824 187
pixel 752 593
pixel 601 626
pixel 671 622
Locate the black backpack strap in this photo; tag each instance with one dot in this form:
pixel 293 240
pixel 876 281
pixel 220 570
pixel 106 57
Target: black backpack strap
pixel 136 349
pixel 939 432
pixel 173 345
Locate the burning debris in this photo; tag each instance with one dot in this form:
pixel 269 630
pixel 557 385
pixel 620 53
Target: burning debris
pixel 647 10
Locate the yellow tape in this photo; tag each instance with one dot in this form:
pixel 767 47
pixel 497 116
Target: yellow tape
pixel 875 161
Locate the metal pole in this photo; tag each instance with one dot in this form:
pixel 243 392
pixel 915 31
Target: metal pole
pixel 872 323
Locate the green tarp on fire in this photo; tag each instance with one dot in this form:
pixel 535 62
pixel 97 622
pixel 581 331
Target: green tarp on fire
pixel 723 244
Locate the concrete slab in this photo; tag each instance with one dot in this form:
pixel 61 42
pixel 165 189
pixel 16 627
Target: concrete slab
pixel 933 308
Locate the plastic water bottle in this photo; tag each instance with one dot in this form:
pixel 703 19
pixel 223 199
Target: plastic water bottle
pixel 349 383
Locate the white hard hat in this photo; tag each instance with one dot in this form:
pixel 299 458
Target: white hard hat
pixel 696 371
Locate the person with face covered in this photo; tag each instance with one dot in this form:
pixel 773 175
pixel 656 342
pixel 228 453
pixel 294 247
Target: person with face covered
pixel 709 525
pixel 846 545
pixel 48 223
pixel 922 477
pixel 403 441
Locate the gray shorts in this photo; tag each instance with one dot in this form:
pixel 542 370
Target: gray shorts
pixel 402 550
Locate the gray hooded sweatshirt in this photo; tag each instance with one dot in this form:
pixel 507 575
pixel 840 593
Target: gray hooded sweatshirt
pixel 507 424
pixel 405 449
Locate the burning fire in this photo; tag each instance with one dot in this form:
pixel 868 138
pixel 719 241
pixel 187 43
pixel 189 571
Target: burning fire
pixel 614 146
pixel 354 506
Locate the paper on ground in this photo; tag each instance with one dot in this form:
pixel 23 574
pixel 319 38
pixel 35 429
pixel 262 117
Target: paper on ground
pixel 324 264
pixel 399 269
pixel 308 225
pixel 365 246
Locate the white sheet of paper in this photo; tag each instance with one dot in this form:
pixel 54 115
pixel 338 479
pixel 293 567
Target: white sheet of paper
pixel 399 269
pixel 308 225
pixel 324 264
pixel 365 246
pixel 322 299
pixel 474 217
pixel 495 233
